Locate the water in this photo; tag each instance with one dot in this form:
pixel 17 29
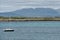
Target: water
pixel 31 30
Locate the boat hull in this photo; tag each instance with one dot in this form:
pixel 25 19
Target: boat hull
pixel 8 30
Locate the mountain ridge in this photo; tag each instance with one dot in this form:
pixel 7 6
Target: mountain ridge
pixel 30 12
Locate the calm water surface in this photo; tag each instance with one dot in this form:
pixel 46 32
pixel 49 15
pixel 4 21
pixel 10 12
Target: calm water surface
pixel 31 30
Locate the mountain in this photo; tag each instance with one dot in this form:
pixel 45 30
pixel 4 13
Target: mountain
pixel 30 12
pixel 58 10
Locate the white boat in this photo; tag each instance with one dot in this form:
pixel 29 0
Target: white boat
pixel 8 30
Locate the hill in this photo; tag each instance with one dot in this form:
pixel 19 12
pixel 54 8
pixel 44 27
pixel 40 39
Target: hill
pixel 30 12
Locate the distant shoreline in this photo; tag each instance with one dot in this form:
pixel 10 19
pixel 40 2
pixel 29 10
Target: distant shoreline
pixel 29 19
pixel 9 20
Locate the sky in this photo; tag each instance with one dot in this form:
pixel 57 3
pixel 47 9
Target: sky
pixel 12 5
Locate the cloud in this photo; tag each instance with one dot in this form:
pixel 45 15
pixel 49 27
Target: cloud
pixel 11 5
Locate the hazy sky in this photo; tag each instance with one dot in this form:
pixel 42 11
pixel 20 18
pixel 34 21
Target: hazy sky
pixel 11 5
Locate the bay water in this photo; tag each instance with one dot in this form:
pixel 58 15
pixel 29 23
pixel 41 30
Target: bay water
pixel 31 30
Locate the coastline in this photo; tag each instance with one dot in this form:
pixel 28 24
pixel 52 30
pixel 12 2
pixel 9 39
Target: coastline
pixel 29 19
pixel 8 20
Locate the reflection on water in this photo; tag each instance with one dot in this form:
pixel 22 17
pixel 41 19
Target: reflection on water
pixel 27 32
